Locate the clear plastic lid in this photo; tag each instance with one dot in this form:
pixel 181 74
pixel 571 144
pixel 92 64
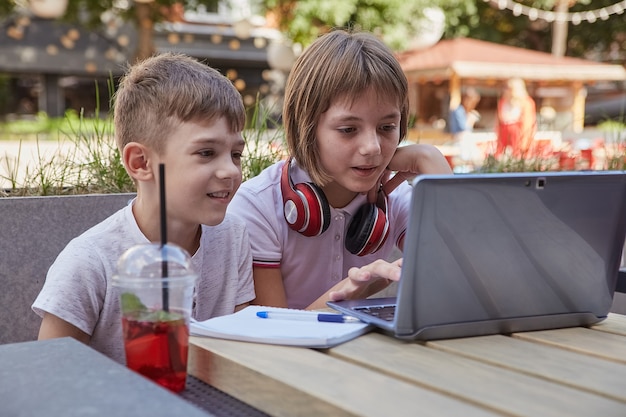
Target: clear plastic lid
pixel 153 261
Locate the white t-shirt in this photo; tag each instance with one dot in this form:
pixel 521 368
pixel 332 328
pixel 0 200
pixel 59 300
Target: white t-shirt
pixel 310 266
pixel 78 285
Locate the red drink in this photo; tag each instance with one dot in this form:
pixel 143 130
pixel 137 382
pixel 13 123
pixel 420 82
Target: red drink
pixel 156 346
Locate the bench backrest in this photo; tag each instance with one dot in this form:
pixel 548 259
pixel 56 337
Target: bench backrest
pixel 33 230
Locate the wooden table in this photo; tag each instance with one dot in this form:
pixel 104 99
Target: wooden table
pixel 565 372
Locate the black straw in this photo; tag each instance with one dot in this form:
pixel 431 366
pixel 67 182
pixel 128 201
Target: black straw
pixel 164 272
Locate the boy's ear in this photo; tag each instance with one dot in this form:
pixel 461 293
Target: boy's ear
pixel 136 159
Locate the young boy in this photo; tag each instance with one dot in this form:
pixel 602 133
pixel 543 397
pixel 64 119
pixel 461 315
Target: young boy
pixel 173 110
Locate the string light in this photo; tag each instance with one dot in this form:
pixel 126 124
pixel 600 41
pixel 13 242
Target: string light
pixel 576 18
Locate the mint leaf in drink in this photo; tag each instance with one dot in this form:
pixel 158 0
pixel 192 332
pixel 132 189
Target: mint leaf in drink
pixel 130 303
pixel 164 316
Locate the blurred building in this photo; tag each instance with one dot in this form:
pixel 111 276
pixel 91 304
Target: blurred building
pixel 50 65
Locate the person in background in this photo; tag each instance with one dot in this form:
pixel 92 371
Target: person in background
pixel 324 222
pixel 174 110
pixel 464 116
pixel 461 120
pixel 516 120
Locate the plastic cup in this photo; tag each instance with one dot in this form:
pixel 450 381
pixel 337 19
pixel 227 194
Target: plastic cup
pixel 156 285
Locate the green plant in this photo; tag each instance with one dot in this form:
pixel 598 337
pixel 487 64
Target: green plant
pixel 44 127
pixel 509 163
pixel 88 165
pixel 614 144
pixel 103 164
pixel 265 141
pixel 87 161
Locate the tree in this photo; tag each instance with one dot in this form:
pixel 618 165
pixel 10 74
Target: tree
pixel 600 40
pixel 142 13
pixel 395 21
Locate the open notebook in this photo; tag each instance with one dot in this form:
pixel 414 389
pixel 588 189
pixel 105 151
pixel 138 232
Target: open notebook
pixel 503 253
pixel 244 325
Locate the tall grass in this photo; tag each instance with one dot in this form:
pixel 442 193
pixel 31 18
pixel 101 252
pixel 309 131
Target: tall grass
pixel 614 143
pixel 508 163
pixel 265 141
pixel 90 162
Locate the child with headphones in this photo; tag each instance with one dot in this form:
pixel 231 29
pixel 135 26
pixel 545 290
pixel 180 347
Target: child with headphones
pixel 323 222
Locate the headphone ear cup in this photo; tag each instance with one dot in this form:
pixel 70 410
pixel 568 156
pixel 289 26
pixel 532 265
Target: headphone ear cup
pixel 367 230
pixel 305 206
pixel 317 209
pixel 294 203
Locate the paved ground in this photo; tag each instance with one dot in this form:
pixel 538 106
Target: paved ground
pixel 19 160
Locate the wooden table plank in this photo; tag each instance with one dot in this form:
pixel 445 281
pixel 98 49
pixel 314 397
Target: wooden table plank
pixel 291 381
pixel 604 345
pixel 497 388
pixel 577 370
pixel 614 323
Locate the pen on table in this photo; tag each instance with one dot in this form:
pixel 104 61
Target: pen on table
pixel 308 316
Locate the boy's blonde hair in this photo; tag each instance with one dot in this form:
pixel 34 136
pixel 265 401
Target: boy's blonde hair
pixel 337 64
pixel 159 93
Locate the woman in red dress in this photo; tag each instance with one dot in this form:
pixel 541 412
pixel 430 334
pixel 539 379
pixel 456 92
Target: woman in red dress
pixel 517 119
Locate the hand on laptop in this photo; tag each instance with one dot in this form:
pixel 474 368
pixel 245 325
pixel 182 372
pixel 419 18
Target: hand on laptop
pixel 367 280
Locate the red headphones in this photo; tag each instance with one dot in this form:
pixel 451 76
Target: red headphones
pixel 307 211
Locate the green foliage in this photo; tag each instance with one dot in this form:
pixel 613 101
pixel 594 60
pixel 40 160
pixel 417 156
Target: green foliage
pixel 5 96
pixel 614 131
pixel 615 144
pixel 509 163
pixel 395 21
pixel 89 11
pixel 6 7
pixel 265 141
pixel 131 303
pixel 91 162
pixel 616 162
pixel 84 164
pixel 42 126
pixel 481 20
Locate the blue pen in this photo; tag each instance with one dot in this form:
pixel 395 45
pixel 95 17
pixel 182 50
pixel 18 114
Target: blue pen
pixel 307 316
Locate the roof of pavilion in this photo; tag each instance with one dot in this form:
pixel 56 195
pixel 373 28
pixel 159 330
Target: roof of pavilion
pixel 472 58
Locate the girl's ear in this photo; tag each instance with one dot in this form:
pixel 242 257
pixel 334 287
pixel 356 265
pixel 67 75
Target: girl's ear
pixel 136 159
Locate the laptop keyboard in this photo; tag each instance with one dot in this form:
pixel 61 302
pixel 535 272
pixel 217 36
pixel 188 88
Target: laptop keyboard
pixel 386 313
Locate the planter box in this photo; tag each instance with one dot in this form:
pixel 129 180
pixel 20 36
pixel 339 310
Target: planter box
pixel 33 230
